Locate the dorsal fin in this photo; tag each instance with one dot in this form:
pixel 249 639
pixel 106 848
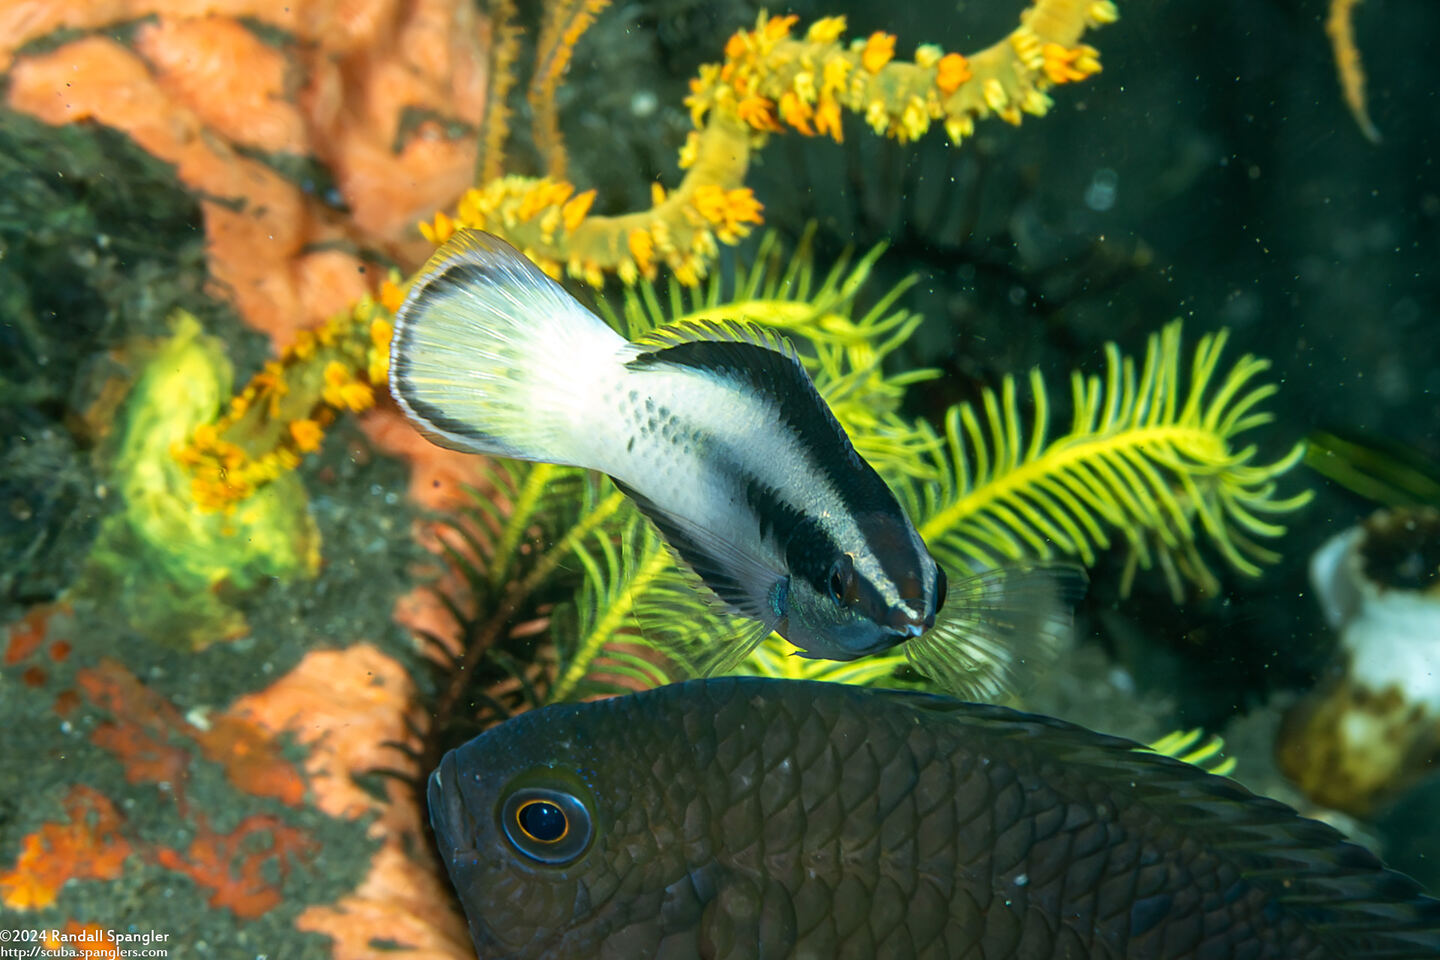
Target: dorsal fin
pixel 715 331
pixel 764 364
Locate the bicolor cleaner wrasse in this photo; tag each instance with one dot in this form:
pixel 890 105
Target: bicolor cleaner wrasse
pixel 717 433
pixel 742 817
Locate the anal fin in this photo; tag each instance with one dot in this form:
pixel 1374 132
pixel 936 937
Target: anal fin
pixel 746 585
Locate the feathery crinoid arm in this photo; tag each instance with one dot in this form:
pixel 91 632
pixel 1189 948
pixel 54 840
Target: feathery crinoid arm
pixel 1152 457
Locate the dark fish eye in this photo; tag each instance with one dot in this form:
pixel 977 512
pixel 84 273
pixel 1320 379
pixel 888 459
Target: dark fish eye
pixel 942 584
pixel 842 581
pixel 542 821
pixel 547 825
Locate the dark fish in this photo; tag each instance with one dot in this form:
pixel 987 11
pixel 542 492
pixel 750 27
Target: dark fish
pixel 747 817
pixel 717 433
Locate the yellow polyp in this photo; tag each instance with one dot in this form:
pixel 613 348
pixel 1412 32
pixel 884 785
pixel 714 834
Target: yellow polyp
pixel 576 208
pixel 377 365
pixel 1036 103
pixel 1101 12
pixel 660 231
pixel 995 96
pixel 804 86
pixel 382 331
pixel 758 112
pixel 359 396
pixel 471 210
pixel 914 120
pixel 689 271
pixel 1066 65
pixel 642 248
pixel 343 391
pixel 561 191
pixel 441 231
pixel 549 223
pixel 304 344
pixel 737 45
pixel 593 274
pixel 743 207
pixel 951 72
pixel 826 30
pixel 690 150
pixel 879 50
pixel 877 116
pixel 796 113
pixel 1027 47
pixel 709 202
pixel 955 130
pixel 703 244
pixel 827 119
pixel 307 435
pixel 205 436
pixel 628 272
pixel 927 55
pixel 834 76
pixel 779 27
pixel 534 201
pixel 391 295
pixel 657 193
pixel 859 91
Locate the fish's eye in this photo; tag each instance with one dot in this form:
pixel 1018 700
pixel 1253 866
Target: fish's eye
pixel 842 581
pixel 547 825
pixel 542 821
pixel 942 584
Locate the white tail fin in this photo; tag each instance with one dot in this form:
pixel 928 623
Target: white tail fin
pixel 492 356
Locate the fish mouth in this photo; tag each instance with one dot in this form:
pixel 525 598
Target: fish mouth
pixel 447 809
pixel 455 841
pixel 908 619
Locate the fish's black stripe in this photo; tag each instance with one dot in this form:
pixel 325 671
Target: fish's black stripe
pixel 809 548
pixel 798 408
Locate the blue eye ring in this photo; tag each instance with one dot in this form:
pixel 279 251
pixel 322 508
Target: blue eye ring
pixel 530 817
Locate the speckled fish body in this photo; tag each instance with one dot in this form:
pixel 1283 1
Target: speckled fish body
pixel 748 817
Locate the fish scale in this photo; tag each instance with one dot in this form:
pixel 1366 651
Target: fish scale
pixel 827 821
